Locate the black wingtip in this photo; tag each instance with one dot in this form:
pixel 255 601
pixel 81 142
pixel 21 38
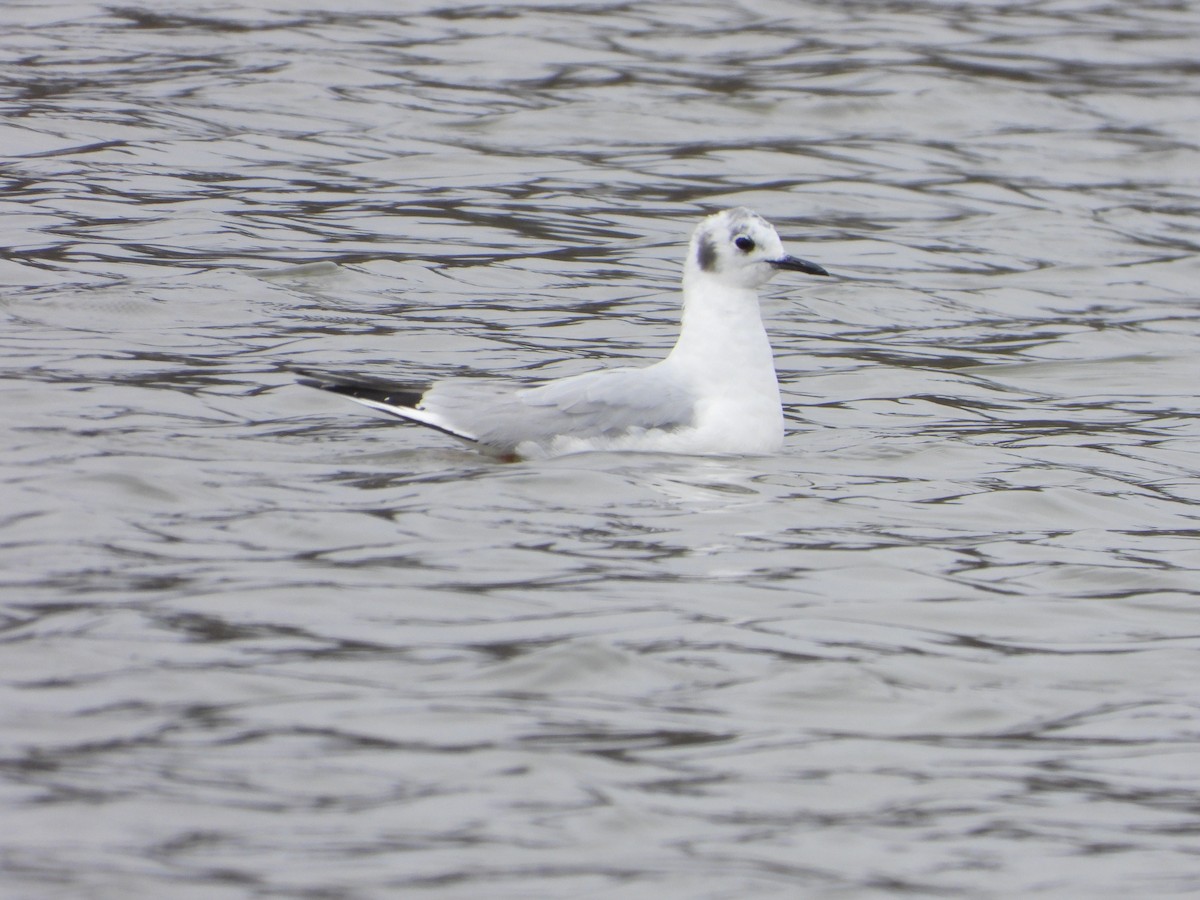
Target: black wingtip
pixel 393 395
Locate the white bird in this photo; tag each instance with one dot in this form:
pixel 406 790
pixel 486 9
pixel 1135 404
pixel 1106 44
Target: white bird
pixel 715 393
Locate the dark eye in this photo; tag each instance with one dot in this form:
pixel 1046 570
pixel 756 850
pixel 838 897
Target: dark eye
pixel 744 244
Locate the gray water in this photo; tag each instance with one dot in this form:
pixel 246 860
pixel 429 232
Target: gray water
pixel 259 642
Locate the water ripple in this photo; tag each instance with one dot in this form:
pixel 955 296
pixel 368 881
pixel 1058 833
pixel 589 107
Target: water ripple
pixel 260 644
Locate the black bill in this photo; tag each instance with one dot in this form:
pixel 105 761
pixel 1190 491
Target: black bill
pixel 796 264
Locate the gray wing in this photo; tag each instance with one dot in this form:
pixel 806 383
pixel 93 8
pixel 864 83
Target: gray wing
pixel 609 402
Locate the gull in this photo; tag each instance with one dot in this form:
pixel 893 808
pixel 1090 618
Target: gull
pixel 714 394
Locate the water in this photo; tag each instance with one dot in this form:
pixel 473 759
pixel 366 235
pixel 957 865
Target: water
pixel 258 643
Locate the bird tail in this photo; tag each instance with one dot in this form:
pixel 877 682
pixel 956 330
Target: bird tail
pixel 401 401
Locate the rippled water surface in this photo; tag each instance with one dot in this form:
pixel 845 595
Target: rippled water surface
pixel 258 642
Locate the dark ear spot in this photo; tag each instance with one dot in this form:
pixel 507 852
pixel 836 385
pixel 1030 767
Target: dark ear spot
pixel 706 253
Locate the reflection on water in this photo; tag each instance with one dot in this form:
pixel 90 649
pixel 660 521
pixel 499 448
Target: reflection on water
pixel 259 644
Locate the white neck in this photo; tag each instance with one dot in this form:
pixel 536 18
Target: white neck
pixel 724 354
pixel 721 336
